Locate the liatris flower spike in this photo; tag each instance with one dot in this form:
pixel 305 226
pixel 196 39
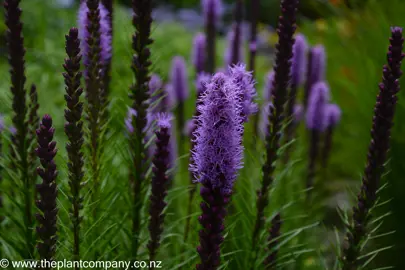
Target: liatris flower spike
pixel 156 95
pixel 217 157
pixel 47 191
pixel 231 57
pixel 332 114
pixel 315 71
pixel 282 76
pixel 245 88
pixel 316 124
pixel 384 111
pixel 160 181
pixel 199 53
pixel 141 40
pixel 212 10
pixel 178 81
pixel 298 72
pixel 104 33
pixel 74 132
pixel 19 148
pixel 268 86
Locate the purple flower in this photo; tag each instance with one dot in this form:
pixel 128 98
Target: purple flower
pixel 189 127
pixel 199 52
pixel 264 120
pixel 160 181
pixel 242 82
pixel 217 158
pixel 333 114
pixel 233 39
pixel 268 86
pixel 299 60
pixel 316 70
pixel 178 79
pixel 212 9
pixel 218 150
pixel 317 103
pixel 201 83
pixel 105 32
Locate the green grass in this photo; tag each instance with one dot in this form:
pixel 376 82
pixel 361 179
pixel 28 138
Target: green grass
pixel 353 70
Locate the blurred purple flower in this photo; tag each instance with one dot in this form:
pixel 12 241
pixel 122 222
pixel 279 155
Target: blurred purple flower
pixel 212 9
pixel 333 114
pixel 189 127
pixel 105 32
pixel 199 53
pixel 264 120
pixel 317 104
pixel 268 86
pixel 299 60
pixel 298 113
pixel 228 55
pixel 178 79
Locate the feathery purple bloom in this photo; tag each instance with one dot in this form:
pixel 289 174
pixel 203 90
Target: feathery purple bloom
pixel 317 104
pixel 242 82
pixel 217 158
pixel 178 79
pixel 105 33
pixel 199 53
pixel 47 190
pixel 384 111
pixel 299 60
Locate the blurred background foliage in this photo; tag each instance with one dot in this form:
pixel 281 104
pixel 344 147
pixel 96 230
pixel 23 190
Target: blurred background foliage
pixel 355 34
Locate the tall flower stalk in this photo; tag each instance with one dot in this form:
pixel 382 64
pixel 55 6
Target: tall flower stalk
pixel 199 55
pixel 20 147
pixel 282 74
pixel 218 157
pixel 142 21
pixel 236 49
pixel 298 72
pixel 47 190
pixel 160 182
pixel 1 161
pixel 316 67
pixel 74 132
pixel 384 111
pixel 317 123
pixel 212 10
pixel 254 15
pixel 108 4
pixel 179 84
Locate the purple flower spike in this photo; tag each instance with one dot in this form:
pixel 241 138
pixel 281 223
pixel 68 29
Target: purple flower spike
pixel 230 54
pixel 268 86
pixel 155 94
pixel 199 52
pixel 333 114
pixel 264 120
pixel 299 60
pixel 178 78
pixel 201 83
pixel 160 181
pixel 105 32
pixel 316 69
pixel 213 10
pixel 317 104
pixel 218 157
pixel 243 83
